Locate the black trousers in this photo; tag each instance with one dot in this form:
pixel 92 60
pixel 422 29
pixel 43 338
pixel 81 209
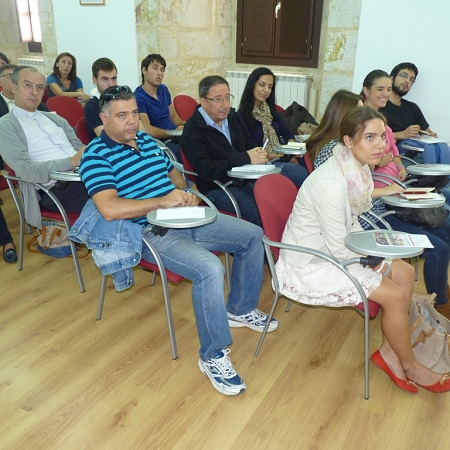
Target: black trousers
pixel 72 195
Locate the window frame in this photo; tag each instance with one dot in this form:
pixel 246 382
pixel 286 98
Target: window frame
pixel 315 19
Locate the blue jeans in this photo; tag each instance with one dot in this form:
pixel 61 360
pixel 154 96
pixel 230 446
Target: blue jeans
pixel 295 172
pixel 435 268
pixel 244 198
pixel 187 252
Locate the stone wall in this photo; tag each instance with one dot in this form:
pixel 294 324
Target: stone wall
pixel 10 43
pixel 198 38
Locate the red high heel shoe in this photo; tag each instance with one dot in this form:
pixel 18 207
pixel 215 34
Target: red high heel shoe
pixel 406 385
pixel 441 386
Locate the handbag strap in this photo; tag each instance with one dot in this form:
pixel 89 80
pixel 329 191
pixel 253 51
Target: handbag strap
pixel 56 232
pixel 422 337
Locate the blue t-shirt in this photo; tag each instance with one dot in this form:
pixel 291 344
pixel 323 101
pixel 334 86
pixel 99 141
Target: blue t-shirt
pixel 142 174
pixel 156 110
pixel 73 87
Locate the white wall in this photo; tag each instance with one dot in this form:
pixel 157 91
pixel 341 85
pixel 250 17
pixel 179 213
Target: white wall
pixel 394 31
pixel 101 31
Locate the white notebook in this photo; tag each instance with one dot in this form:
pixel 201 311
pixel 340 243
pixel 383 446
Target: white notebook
pixel 253 168
pixel 181 212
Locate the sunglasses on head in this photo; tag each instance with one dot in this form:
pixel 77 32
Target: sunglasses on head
pixel 114 92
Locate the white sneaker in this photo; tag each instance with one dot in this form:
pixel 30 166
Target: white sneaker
pixel 221 372
pixel 256 320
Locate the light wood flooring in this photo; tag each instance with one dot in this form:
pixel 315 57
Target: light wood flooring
pixel 68 382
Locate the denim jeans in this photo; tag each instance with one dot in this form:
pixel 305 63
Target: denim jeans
pixel 295 172
pixel 244 198
pixel 436 259
pixel 187 252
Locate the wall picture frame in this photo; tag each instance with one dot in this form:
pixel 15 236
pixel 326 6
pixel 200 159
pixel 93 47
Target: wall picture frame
pixel 92 2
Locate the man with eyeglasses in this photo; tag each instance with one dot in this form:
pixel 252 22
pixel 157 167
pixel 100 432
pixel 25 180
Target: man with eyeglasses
pixel 7 94
pixel 405 117
pixel 214 141
pixel 155 105
pixel 34 143
pixel 149 182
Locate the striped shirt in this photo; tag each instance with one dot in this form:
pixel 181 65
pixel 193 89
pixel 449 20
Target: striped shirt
pixel 142 174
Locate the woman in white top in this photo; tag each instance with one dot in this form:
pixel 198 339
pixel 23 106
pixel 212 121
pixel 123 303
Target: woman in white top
pixel 325 211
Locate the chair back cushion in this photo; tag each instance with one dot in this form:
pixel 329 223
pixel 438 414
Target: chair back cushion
pixel 81 131
pixel 308 162
pixel 184 106
pixel 66 107
pixel 275 196
pixel 187 165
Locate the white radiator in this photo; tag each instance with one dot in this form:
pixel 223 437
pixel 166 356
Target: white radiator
pixel 289 88
pixel 36 63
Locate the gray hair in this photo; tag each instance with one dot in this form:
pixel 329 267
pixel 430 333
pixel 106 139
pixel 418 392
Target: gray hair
pixel 17 70
pixel 208 82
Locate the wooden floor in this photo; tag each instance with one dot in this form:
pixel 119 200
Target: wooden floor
pixel 70 382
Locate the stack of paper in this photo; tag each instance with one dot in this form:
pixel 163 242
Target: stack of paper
pixel 181 212
pixel 253 168
pixel 390 239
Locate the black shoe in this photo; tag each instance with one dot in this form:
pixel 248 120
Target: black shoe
pixel 10 255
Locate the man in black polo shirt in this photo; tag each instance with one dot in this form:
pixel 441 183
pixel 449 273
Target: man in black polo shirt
pixel 104 75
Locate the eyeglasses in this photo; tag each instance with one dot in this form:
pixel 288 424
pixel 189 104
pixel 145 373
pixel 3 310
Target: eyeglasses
pixel 218 100
pixel 407 77
pixel 113 92
pixel 9 75
pixel 29 87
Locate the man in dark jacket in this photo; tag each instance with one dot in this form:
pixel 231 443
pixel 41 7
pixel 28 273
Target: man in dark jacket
pixel 214 141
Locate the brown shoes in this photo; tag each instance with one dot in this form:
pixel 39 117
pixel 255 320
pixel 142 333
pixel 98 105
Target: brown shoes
pixel 443 309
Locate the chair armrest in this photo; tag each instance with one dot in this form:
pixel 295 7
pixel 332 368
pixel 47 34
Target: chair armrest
pixel 383 177
pixel 341 265
pixel 407 158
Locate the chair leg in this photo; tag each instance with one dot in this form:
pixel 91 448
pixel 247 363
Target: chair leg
pixel 288 307
pixel 76 263
pixel 416 266
pixel 152 282
pixel 165 287
pixel 366 353
pixel 228 270
pixel 101 300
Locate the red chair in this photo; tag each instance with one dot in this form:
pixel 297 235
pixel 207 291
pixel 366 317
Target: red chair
pixel 275 211
pixel 184 106
pixel 81 131
pixel 66 107
pixel 308 162
pixel 61 215
pixel 279 108
pixel 165 275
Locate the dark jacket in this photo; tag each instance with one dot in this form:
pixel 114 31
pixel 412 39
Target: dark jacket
pixel 209 151
pixel 295 115
pixel 4 107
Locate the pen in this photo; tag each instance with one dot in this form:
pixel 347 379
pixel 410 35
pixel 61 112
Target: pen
pixel 265 143
pixel 425 132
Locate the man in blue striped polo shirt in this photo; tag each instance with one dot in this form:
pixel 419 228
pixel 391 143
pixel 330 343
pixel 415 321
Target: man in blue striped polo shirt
pixel 127 176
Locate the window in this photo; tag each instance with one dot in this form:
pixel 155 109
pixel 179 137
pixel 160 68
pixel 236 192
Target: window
pixel 281 32
pixel 29 25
